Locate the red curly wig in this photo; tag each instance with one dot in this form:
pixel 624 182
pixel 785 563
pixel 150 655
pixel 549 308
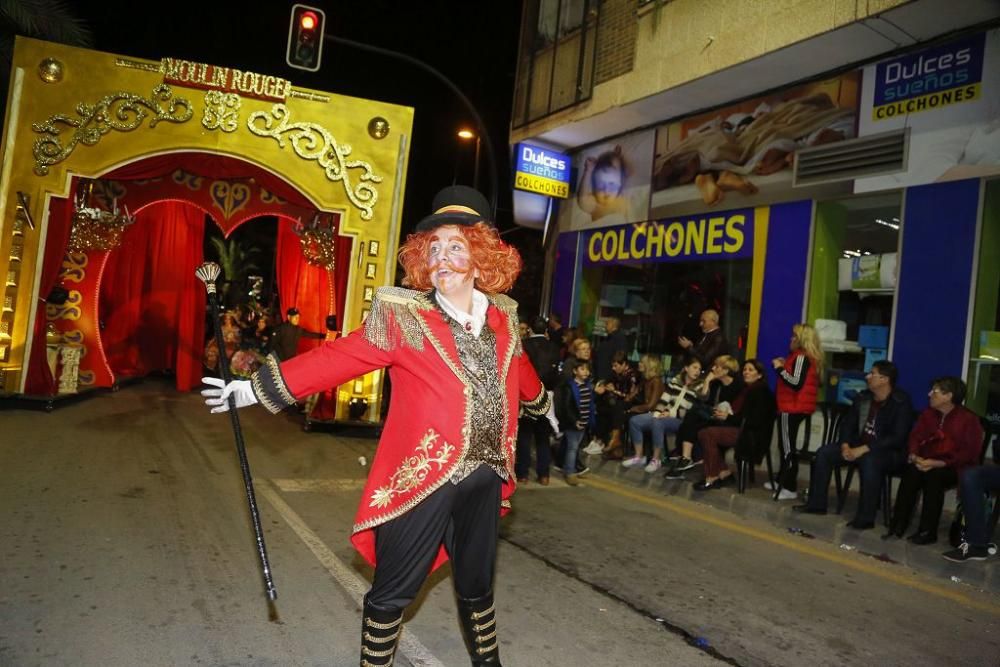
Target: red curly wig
pixel 498 263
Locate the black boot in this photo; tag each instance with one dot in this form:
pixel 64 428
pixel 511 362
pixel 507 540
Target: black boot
pixel 479 627
pixel 380 628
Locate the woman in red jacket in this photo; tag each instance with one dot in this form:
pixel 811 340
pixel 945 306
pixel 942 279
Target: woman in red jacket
pixel 947 439
pixel 798 386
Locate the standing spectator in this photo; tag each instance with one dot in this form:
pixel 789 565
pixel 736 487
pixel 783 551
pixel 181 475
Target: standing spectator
pixel 523 329
pixel 946 440
pixel 797 389
pixel 577 413
pixel 556 330
pixel 579 352
pixel 722 385
pixel 285 340
pixel 752 413
pixel 614 342
pixel 872 435
pixel 544 356
pixel 712 343
pixel 666 416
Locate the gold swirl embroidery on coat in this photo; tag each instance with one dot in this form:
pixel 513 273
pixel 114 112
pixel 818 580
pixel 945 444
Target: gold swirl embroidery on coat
pixel 414 470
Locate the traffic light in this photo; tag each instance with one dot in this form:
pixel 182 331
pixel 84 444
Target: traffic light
pixel 305 38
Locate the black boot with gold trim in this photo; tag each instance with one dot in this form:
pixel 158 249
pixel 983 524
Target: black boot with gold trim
pixel 380 628
pixel 479 627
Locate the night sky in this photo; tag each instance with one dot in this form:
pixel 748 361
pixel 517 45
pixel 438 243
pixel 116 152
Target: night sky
pixel 473 44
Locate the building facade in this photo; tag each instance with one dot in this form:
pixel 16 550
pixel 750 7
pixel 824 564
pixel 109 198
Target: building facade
pixel 779 162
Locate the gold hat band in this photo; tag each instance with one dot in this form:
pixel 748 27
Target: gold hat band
pixel 456 209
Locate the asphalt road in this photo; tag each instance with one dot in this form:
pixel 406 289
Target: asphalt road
pixel 126 541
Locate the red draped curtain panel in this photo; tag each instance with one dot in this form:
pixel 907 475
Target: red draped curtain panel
pixel 151 303
pixel 39 380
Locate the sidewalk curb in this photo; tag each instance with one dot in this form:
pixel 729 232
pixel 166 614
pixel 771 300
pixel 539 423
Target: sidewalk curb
pixel 757 504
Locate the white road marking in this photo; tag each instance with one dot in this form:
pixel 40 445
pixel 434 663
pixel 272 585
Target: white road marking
pixel 318 485
pixel 409 645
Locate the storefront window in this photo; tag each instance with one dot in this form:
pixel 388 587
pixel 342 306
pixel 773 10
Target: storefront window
pixel 657 302
pixel 853 286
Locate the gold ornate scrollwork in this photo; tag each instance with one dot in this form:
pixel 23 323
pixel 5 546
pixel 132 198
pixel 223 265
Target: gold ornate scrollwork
pixel 314 142
pixel 118 111
pixel 221 111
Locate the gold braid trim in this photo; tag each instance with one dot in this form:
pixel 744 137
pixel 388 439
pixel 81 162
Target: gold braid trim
pixel 539 405
pixel 393 320
pixel 269 386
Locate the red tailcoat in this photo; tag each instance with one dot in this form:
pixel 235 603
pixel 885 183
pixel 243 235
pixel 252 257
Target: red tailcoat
pixel 426 432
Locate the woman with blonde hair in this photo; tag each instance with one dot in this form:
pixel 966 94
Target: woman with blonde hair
pixel 797 389
pixel 651 372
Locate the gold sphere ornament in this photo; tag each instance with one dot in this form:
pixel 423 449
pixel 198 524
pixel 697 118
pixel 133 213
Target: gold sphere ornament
pixel 378 127
pixel 50 70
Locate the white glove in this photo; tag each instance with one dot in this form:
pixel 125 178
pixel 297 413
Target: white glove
pixel 218 399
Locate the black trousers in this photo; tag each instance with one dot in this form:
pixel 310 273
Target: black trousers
pixel 933 483
pixel 535 431
pixel 788 431
pixel 464 517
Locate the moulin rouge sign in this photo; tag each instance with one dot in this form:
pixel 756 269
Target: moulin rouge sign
pixel 227 79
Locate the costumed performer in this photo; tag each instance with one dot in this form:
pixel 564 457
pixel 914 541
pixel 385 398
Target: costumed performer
pixel 444 468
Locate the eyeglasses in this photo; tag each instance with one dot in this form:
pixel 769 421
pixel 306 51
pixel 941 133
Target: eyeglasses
pixel 874 374
pixel 939 391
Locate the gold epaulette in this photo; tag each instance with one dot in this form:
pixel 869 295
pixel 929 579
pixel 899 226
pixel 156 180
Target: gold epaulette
pixel 393 319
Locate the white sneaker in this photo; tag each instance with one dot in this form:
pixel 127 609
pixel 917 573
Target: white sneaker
pixel 633 461
pixel 593 448
pixel 785 494
pixel 653 465
pixel 769 486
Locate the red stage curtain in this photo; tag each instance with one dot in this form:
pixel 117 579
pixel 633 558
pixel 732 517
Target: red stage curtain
pixel 151 302
pixel 39 380
pixel 300 284
pixel 205 164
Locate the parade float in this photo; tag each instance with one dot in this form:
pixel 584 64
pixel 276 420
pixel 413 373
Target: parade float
pixel 113 166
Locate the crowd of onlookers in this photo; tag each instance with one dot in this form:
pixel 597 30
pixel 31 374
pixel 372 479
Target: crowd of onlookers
pixel 677 419
pixel 249 336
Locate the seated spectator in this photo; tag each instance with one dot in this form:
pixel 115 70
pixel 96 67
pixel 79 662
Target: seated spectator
pixel 619 395
pixel 651 371
pixel 975 484
pixel 666 416
pixel 752 412
pixel 873 436
pixel 721 384
pixel 946 440
pixel 576 413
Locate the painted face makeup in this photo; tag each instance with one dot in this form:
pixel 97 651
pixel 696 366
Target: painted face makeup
pixel 450 261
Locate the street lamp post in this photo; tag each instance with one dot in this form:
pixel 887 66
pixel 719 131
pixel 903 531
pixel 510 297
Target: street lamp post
pixel 465 134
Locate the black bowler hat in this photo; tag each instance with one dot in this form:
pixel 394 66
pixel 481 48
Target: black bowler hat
pixel 457 205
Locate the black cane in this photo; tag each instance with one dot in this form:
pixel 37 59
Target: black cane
pixel 208 272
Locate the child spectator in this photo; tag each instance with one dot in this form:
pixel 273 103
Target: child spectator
pixel 577 414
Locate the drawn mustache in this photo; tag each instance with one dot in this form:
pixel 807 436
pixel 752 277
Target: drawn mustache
pixel 446 264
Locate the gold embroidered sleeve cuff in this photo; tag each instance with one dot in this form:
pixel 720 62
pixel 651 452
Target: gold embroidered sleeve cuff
pixel 538 406
pixel 269 386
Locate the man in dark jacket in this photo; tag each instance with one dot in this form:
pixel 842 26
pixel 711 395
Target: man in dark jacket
pixel 873 436
pixel 285 340
pixel 614 341
pixel 544 356
pixel 712 342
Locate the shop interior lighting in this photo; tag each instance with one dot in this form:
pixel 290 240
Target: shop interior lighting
pixel 893 225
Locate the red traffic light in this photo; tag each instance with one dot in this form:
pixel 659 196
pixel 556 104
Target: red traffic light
pixel 305 38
